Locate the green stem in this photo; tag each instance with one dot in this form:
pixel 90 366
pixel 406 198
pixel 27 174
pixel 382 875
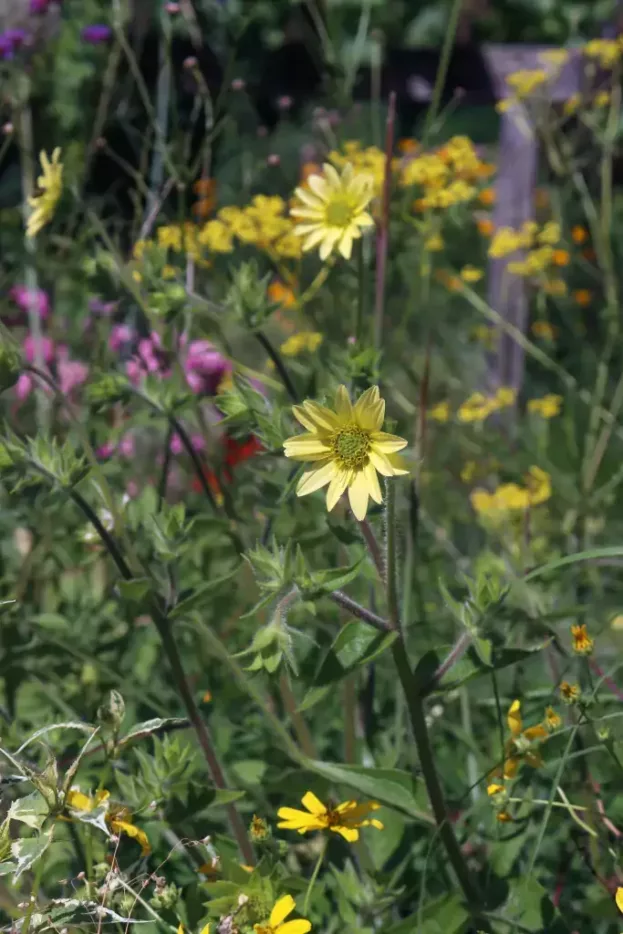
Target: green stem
pixel 303 734
pixel 442 71
pixel 314 875
pixel 390 556
pixel 279 365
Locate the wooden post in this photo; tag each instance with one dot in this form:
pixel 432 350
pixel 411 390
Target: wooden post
pixel 517 162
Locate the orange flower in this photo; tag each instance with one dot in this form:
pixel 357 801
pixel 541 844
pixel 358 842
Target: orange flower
pixel 205 189
pixel 310 168
pixel 579 234
pixel 281 294
pixel 485 226
pixel 487 196
pixel 408 146
pixel 560 258
pixel 582 642
pixel 582 297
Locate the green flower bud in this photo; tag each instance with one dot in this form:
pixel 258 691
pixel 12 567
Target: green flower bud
pixel 111 713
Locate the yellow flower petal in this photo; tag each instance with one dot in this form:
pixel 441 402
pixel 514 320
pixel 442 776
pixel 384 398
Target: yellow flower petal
pixel 313 804
pixel 514 719
pixel 284 907
pixel 358 496
pixel 313 480
pixel 302 445
pixel 323 417
pixel 337 488
pixel 619 898
pixel 350 834
pixel 386 443
pixel 373 483
pixel 343 406
pixel 299 926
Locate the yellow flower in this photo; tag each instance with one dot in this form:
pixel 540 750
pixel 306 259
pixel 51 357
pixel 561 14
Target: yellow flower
pixel 520 747
pixel 334 210
pixel 539 484
pixel 526 81
pixel 217 237
pixel 582 297
pixel 608 51
pixel 117 817
pixel 552 720
pixel 619 898
pixel 434 244
pixel 170 237
pixel 570 693
pixel 348 447
pixel 505 241
pixel 602 99
pixel 554 57
pixel 550 233
pixel 440 412
pixel 303 341
pixel 544 329
pixel 344 819
pixel 505 396
pixel 50 186
pixel 485 226
pixel 289 247
pixel 476 409
pixel 277 923
pixel 572 104
pixel 468 471
pixel 259 829
pixel 547 407
pixel 582 642
pixel 471 274
pixel 281 294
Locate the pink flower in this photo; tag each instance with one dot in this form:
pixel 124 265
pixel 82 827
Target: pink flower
pixel 120 336
pixel 23 386
pixel 26 298
pixel 71 374
pixel 126 446
pixel 106 450
pixel 149 358
pixel 46 347
pixel 204 367
pixel 176 446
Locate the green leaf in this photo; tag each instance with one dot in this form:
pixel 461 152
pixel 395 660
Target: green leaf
pixel 134 591
pixel 224 796
pixel 66 725
pixel 355 645
pixel 334 578
pixel 531 906
pixel 31 810
pixel 141 730
pixel 471 665
pixel 26 852
pixel 614 551
pixel 196 599
pixel 388 786
pixel 444 915
pixel 250 771
pixel 7 869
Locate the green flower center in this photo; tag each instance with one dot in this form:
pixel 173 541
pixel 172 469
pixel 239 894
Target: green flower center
pixel 351 447
pixel 339 212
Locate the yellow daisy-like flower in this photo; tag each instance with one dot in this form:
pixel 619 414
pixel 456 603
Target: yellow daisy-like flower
pixel 117 817
pixel 570 693
pixel 277 923
pixel 520 746
pixel 348 447
pixel 300 343
pixel 619 898
pixel 333 210
pixel 553 720
pixel 582 642
pixel 50 185
pixel 344 819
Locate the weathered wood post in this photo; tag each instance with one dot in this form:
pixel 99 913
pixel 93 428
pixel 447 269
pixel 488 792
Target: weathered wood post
pixel 517 160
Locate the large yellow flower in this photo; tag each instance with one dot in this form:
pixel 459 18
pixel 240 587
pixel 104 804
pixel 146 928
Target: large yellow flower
pixel 344 819
pixel 50 186
pixel 348 447
pixel 117 817
pixel 278 925
pixel 333 210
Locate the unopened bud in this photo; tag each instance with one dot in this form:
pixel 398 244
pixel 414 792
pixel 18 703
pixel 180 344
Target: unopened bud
pixel 111 713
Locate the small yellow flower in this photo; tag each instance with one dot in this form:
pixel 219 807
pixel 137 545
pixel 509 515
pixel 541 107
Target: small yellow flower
pixel 471 274
pixel 259 829
pixel 505 396
pixel 553 720
pixel 277 923
pixel 606 51
pixel 440 412
pixel 289 246
pixel 555 57
pixel 582 642
pixel 570 693
pixel 544 329
pixel 434 244
pixel 304 341
pixel 619 898
pixel 334 210
pixel 550 234
pixel 539 484
pixel 547 407
pixel 476 409
pixel 602 99
pixel 217 237
pixel 505 241
pixel 50 187
pixel 555 287
pixel 579 234
pixel 526 81
pixel 468 471
pixel 520 747
pixel 348 447
pixel 344 819
pixel 281 294
pixel 170 237
pixel 572 104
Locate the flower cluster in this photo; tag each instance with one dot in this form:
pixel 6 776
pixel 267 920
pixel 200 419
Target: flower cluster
pixel 511 497
pixel 447 176
pixel 479 407
pixel 547 407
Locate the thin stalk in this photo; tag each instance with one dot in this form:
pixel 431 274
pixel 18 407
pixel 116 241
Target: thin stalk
pixel 391 582
pixel 382 239
pixel 350 706
pixel 302 731
pixel 442 71
pixel 455 654
pixel 314 875
pixel 361 612
pixel 279 365
pixel 373 547
pixel 166 466
pixel 179 677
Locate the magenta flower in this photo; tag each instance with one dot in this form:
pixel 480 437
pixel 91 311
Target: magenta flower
pixel 98 307
pixel 96 34
pixel 149 358
pixel 120 336
pixel 106 450
pixel 26 298
pixel 126 446
pixel 71 373
pixel 30 349
pixel 204 367
pixel 39 6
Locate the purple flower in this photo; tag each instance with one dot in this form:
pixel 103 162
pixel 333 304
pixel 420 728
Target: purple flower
pixel 26 298
pixel 96 34
pixel 126 446
pixel 10 41
pixel 98 307
pixel 149 358
pixel 39 6
pixel 106 450
pixel 204 367
pixel 120 336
